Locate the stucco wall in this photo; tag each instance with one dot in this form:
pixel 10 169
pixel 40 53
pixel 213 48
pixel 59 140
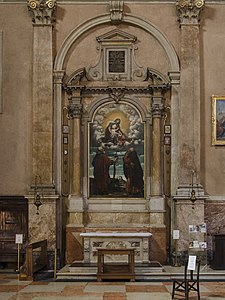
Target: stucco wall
pixel 15 121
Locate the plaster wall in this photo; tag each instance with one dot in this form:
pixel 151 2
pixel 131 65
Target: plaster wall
pixel 212 83
pixel 15 121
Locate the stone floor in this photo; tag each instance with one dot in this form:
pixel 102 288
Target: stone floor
pixel 48 289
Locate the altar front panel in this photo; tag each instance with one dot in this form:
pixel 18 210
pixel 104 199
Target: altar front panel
pixel 95 240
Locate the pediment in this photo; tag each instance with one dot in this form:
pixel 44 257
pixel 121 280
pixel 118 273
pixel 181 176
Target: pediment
pixel 116 35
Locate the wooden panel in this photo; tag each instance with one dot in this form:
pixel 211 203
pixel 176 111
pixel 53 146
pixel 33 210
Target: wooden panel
pixel 13 220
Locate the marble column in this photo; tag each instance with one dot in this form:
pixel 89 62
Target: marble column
pixel 157 113
pixel 157 201
pixel 189 133
pixel 43 225
pixel 74 112
pixel 186 129
pixel 75 221
pixel 175 153
pixel 42 156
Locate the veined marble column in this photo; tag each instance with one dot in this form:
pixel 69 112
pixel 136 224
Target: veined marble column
pixel 74 111
pixel 75 221
pixel 157 113
pixel 42 155
pixel 157 201
pixel 189 133
pixel 42 126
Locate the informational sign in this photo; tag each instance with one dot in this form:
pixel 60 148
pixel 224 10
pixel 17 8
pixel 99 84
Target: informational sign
pixel 176 234
pixel 191 262
pixel 19 239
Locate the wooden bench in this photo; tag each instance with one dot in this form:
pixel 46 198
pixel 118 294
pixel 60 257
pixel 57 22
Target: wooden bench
pixel 115 270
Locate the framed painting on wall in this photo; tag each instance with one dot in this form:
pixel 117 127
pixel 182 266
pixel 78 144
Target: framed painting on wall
pixel 218 120
pixel 116 152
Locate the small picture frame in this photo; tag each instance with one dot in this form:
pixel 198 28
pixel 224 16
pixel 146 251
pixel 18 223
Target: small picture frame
pixel 167 129
pixel 218 120
pixel 65 129
pixel 65 140
pixel 167 140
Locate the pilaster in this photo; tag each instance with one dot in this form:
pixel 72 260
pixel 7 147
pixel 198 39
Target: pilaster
pixel 189 133
pixel 42 156
pixel 157 114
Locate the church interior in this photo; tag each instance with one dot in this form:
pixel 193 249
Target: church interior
pixel 112 117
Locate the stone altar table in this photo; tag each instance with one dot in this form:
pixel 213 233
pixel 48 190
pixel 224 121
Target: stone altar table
pixel 140 241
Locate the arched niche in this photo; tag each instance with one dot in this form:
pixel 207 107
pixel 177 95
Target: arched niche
pixel 64 50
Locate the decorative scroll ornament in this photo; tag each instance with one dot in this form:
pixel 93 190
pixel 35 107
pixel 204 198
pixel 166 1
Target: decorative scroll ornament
pixel 116 94
pixel 42 10
pixel 189 11
pixel 116 11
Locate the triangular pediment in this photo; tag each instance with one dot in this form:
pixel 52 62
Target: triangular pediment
pixel 116 35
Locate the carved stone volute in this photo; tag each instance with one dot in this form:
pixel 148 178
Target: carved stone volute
pixel 116 11
pixel 42 11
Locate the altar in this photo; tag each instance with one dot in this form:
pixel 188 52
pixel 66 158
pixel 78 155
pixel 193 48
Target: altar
pixel 139 241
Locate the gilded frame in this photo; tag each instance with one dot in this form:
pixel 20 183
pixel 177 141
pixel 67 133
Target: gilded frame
pixel 218 120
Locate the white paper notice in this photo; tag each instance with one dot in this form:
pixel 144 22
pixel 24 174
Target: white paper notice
pixel 176 234
pixel 191 262
pixel 19 239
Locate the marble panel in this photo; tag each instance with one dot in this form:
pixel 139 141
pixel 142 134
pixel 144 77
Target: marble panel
pixel 118 219
pixel 75 218
pixel 74 244
pixel 187 214
pixel 137 240
pixel 158 244
pixel 43 225
pixel 157 218
pixel 215 217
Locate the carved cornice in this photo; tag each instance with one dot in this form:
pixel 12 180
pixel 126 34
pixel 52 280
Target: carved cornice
pixel 116 92
pixel 42 11
pixel 189 11
pixel 116 11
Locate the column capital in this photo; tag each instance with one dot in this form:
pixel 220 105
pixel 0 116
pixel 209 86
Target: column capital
pixel 157 106
pixel 74 107
pixel 174 77
pixel 58 76
pixel 42 11
pixel 189 11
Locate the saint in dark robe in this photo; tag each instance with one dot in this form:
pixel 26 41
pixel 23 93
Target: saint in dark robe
pixel 101 163
pixel 133 173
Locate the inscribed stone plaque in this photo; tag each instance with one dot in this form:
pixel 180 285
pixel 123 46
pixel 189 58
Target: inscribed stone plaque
pixel 116 61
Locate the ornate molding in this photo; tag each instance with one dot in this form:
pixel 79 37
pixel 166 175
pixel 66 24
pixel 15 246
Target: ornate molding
pixel 42 11
pixel 116 94
pixel 189 11
pixel 116 11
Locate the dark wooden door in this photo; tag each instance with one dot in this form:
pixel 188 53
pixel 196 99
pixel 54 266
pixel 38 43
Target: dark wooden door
pixel 13 220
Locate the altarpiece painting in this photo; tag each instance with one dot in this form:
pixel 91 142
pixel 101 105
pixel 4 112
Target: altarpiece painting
pixel 116 152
